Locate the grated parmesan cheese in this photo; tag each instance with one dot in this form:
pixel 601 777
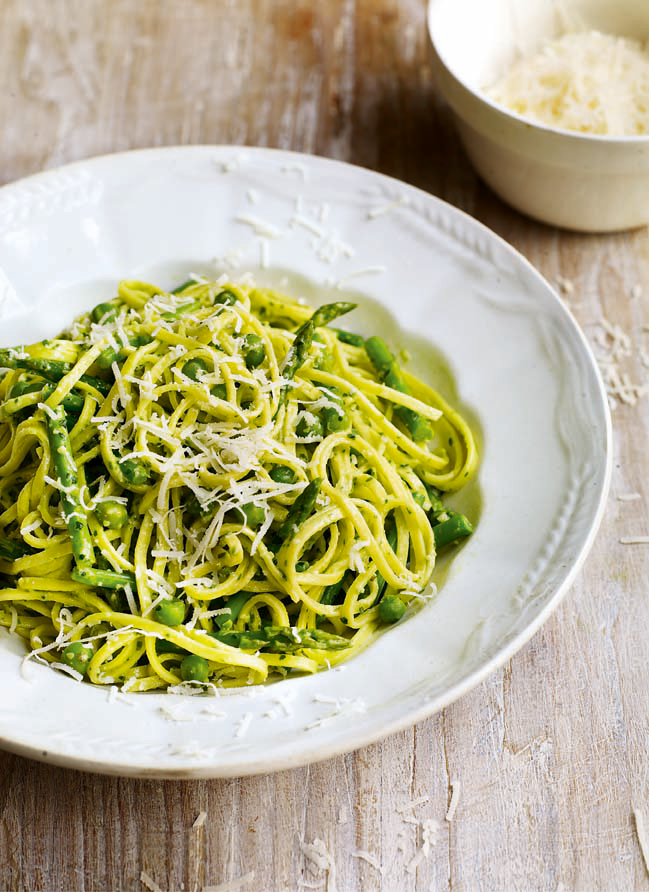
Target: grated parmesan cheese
pixel 586 82
pixel 642 836
pixel 149 882
pixel 200 820
pixel 455 797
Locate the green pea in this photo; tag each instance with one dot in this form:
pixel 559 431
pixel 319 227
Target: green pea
pixel 282 474
pixel 391 609
pixel 302 566
pixel 311 427
pixel 105 312
pixel 134 471
pixel 107 357
pixel 194 668
pixel 112 515
pixel 140 340
pixel 254 351
pixel 227 297
pixel 77 656
pixel 255 514
pixel 194 367
pixel 170 612
pixel 220 391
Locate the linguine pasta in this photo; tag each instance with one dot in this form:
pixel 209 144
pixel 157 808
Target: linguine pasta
pixel 216 486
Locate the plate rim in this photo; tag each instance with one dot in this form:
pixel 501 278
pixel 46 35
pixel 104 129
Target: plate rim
pixel 429 706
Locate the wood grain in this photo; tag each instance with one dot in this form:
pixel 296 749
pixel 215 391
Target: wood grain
pixel 549 755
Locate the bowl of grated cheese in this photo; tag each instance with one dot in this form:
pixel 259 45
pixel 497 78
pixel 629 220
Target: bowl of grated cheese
pixel 551 102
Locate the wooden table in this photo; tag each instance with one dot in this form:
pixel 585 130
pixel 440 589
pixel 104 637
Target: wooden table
pixel 549 756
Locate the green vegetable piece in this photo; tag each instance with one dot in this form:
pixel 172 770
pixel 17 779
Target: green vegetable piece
pixel 330 592
pixel 301 509
pixel 234 605
pixel 180 288
pixel 107 357
pixel 140 340
pixel 193 368
pixel 66 472
pixel 335 419
pixel 227 297
pixel 302 566
pixel 163 646
pixel 392 376
pixel 193 508
pixel 105 312
pixel 349 337
pixel 456 527
pixel 282 474
pixel 254 351
pixel 110 579
pixel 12 550
pixel 111 515
pixel 117 599
pixel 181 310
pixel 21 388
pixel 220 391
pixel 77 656
pixel 170 612
pixel 255 515
pixel 391 609
pixel 136 472
pixel 297 353
pixel 55 369
pixel 328 312
pixel 281 639
pixel 436 504
pixel 194 668
pixel 311 427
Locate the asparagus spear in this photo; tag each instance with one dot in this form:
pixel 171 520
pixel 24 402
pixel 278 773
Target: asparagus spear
pixel 281 639
pixel 299 349
pixel 328 312
pixel 392 376
pixel 301 509
pixel 102 578
pixel 234 605
pixel 66 471
pixel 457 526
pixel 71 402
pixel 54 370
pixel 349 337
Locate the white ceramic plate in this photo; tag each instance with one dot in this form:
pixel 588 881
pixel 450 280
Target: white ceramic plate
pixel 470 310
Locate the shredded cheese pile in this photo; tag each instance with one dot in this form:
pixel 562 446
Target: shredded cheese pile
pixel 587 82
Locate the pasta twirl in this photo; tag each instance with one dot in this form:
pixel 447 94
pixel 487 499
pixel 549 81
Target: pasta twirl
pixel 216 485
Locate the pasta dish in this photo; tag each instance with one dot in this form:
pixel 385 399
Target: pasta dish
pixel 217 485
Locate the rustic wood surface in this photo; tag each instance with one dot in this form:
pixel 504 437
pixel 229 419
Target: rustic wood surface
pixel 549 756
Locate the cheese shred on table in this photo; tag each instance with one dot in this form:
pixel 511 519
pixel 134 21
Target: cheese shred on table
pixel 587 82
pixel 213 486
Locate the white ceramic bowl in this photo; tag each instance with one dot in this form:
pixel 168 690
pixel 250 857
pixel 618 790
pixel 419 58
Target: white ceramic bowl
pixel 583 182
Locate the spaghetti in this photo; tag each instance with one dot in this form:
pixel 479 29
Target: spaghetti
pixel 216 486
